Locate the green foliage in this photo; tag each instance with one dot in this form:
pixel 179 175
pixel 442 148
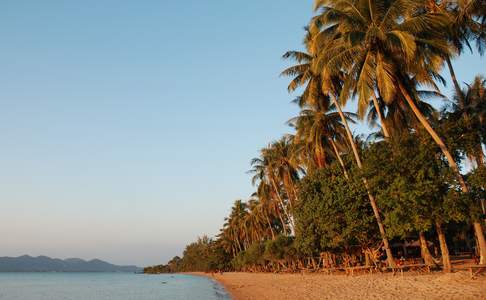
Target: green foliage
pixel 253 256
pixel 333 213
pixel 413 185
pixel 259 254
pixel 477 179
pixel 282 248
pixel 204 255
pixel 477 183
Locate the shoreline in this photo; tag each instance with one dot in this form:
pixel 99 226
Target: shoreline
pixel 212 276
pixel 244 286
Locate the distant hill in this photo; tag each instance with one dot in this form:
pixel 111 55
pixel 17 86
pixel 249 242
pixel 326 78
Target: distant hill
pixel 28 263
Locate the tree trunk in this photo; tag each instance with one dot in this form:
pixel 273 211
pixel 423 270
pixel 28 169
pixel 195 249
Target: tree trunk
pixel 269 225
pixel 450 159
pixel 435 137
pixel 478 230
pixel 479 158
pixel 338 156
pixel 239 244
pixel 454 79
pixel 284 226
pixel 424 251
pixel 367 259
pixel 386 133
pixel 294 189
pixel 446 261
pixel 290 190
pixel 282 203
pixel 348 132
pixel 389 255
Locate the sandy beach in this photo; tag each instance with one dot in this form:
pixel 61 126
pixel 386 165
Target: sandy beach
pixel 244 286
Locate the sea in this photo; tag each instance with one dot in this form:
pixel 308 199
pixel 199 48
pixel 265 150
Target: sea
pixel 108 286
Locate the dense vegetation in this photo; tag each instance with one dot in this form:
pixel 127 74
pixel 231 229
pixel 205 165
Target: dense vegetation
pixel 324 196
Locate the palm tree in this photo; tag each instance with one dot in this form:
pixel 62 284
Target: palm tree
pixel 469 110
pixel 286 165
pixel 389 46
pixel 265 215
pixel 254 222
pixel 469 106
pixel 271 208
pixel 464 26
pixel 264 170
pixel 319 86
pixel 234 231
pixel 321 133
pixel 399 116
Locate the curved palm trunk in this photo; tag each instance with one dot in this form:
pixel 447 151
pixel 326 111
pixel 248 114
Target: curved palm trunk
pixel 284 207
pixel 424 250
pixel 452 163
pixel 269 225
pixel 454 78
pixel 279 213
pixel 386 133
pixel 446 261
pixel 338 156
pixel 479 158
pixel 478 229
pixel 292 185
pixel 290 191
pixel 386 245
pixel 348 131
pixel 319 160
pixel 238 243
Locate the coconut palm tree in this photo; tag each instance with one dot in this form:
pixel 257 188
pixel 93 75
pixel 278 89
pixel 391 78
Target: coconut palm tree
pixel 271 208
pixel 399 117
pixel 468 112
pixel 263 170
pixel 321 134
pixel 266 216
pixel 304 73
pixel 283 160
pixel 320 86
pixel 464 26
pixel 231 232
pixel 469 107
pixel 389 46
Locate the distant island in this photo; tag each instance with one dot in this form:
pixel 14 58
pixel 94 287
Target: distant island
pixel 28 263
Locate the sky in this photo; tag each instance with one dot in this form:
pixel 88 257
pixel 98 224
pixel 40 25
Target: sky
pixel 127 127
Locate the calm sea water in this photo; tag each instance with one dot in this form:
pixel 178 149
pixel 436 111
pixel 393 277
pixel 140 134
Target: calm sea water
pixel 87 286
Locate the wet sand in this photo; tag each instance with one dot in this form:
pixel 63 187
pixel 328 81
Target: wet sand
pixel 244 286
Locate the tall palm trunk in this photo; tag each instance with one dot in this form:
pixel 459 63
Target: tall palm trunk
pixel 389 255
pixel 478 229
pixel 479 158
pixel 284 226
pixel 319 159
pixel 238 243
pixel 454 78
pixel 446 260
pixel 386 133
pixel 424 250
pixel 290 191
pixel 292 185
pixel 452 163
pixel 338 156
pixel 284 207
pixel 269 225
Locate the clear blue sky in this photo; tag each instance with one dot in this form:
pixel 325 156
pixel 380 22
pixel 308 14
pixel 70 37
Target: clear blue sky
pixel 126 127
